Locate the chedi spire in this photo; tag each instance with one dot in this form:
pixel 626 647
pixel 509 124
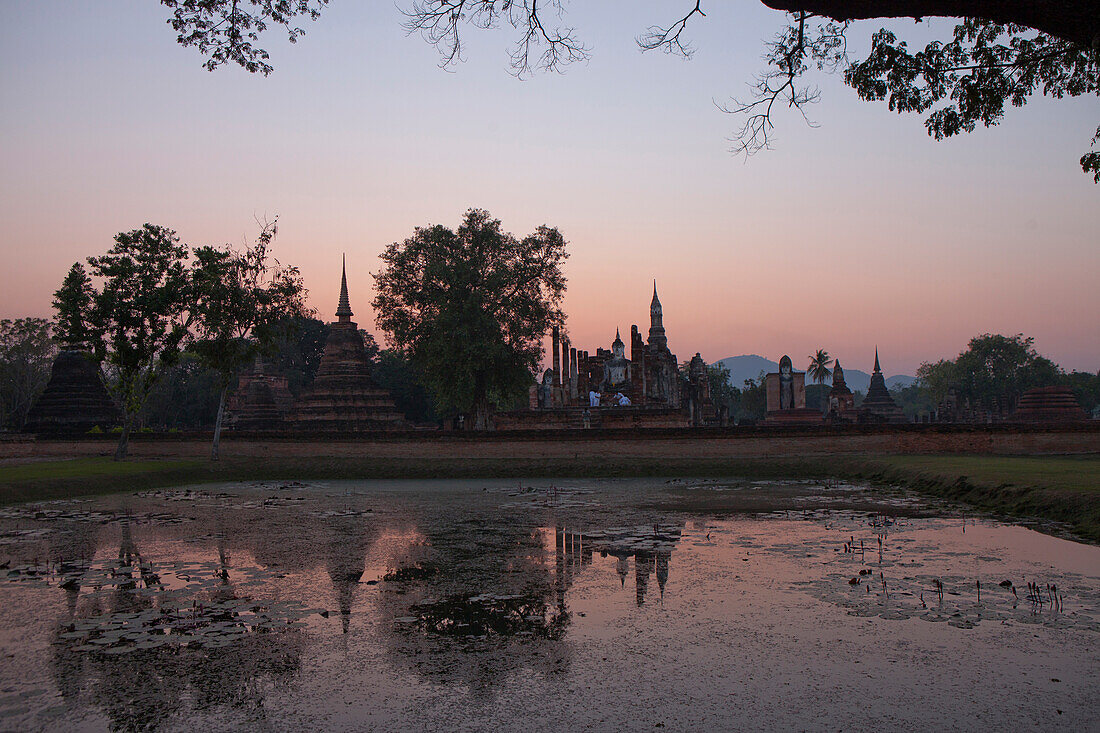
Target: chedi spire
pixel 343 309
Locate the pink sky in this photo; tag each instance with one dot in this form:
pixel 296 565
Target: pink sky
pixel 857 233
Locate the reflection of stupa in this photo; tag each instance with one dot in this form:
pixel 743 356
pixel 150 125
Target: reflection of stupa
pixel 343 397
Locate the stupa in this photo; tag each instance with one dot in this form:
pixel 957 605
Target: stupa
pixel 262 399
pixel 75 400
pixel 343 397
pixel 1049 404
pixel 878 406
pixel 841 399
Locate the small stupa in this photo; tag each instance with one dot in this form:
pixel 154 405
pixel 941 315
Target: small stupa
pixel 75 399
pixel 878 406
pixel 262 399
pixel 841 399
pixel 1049 404
pixel 343 397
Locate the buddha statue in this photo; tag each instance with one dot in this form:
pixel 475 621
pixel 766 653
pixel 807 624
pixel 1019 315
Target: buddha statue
pixel 616 369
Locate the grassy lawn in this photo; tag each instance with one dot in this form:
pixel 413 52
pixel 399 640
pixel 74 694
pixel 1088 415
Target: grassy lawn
pixel 1070 473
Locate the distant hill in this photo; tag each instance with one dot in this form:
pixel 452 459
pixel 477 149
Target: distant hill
pixel 749 366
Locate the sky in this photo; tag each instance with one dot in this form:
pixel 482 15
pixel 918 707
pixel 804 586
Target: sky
pixel 857 232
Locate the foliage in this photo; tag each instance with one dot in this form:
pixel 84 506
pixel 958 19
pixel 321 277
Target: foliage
pixel 914 400
pixel 722 392
pixel 399 376
pixel 992 373
pixel 186 397
pixel 239 298
pixel 26 355
pixel 73 305
pixel 819 369
pixel 1000 53
pixel 1086 386
pixel 981 68
pixel 470 308
pixel 753 405
pixel 141 314
pixel 297 352
pixel 225 31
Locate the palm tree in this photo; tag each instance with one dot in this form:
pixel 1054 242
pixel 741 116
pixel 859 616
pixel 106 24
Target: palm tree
pixel 819 366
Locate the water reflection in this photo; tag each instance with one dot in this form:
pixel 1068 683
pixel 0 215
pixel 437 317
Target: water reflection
pixel 176 609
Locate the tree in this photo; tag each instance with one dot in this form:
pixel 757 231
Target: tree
pixel 819 366
pixel 26 353
pixel 239 299
pixel 404 382
pixel 754 400
pixel 72 304
pixel 1001 52
pixel 140 316
pixel 470 308
pixel 993 372
pixel 722 392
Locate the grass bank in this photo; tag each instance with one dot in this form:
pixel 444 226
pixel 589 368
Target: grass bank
pixel 1062 488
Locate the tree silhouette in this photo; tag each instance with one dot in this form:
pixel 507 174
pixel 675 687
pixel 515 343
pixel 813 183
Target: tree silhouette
pixel 819 366
pixel 240 299
pixel 141 314
pixel 470 308
pixel 1002 52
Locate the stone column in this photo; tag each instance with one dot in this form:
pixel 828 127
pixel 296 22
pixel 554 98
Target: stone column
pixel 556 364
pixel 573 374
pixel 565 369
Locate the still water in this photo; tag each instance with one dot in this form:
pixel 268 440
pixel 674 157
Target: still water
pixel 540 605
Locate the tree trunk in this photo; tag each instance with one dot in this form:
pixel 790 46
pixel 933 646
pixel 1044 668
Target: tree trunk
pixel 481 414
pixel 124 439
pixel 218 424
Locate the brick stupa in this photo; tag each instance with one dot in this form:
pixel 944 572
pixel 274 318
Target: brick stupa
pixel 878 406
pixel 343 397
pixel 262 400
pixel 75 400
pixel 1049 404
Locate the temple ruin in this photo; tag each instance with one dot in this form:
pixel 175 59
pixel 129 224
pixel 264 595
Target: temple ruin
pixel 642 389
pixel 75 399
pixel 878 406
pixel 343 397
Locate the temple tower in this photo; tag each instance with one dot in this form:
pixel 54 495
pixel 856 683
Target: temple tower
pixel 343 397
pixel 878 406
pixel 75 399
pixel 656 325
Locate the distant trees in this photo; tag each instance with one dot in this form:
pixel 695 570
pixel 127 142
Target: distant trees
pixel 470 308
pixel 26 353
pixel 992 372
pixel 999 53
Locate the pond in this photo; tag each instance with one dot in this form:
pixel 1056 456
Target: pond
pixel 540 605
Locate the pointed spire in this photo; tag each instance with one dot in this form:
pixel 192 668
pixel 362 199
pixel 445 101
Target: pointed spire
pixel 877 369
pixel 343 310
pixel 655 298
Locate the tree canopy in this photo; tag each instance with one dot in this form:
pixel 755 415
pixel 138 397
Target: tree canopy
pixel 141 313
pixel 1000 53
pixel 992 372
pixel 470 308
pixel 239 300
pixel 26 353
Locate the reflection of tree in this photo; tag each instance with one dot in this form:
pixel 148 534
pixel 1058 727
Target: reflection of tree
pixel 346 558
pixel 490 601
pixel 142 689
